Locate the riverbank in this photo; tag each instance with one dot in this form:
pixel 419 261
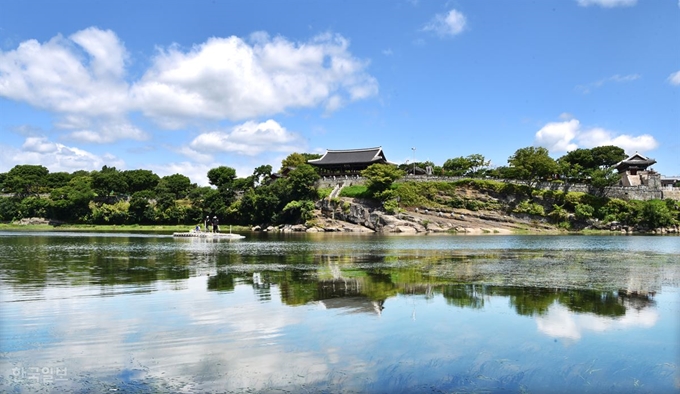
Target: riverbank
pixel 131 228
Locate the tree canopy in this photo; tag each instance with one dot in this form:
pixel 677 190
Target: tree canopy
pixel 532 164
pixel 25 180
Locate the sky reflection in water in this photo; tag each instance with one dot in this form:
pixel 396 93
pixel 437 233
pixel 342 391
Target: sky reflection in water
pixel 340 314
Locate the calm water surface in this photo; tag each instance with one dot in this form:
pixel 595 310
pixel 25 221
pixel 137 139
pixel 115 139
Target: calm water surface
pixel 337 313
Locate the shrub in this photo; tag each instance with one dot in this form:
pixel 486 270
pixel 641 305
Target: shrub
pixel 559 214
pixel 391 206
pixel 655 213
pixel 584 211
pixel 474 205
pixel 529 207
pixel 571 199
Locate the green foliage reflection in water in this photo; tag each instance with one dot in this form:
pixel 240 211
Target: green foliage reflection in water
pixel 532 280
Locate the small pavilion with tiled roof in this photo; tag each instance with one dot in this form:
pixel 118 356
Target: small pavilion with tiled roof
pixel 349 161
pixel 634 171
pixel 633 164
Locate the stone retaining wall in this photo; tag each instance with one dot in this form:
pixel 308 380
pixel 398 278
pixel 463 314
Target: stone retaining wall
pixel 642 193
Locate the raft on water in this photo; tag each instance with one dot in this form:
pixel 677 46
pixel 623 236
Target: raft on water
pixel 196 234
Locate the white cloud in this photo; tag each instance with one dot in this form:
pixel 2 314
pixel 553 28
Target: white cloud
pixel 197 172
pixel 227 78
pixel 107 52
pixel 54 76
pixel 614 78
pixel 447 25
pixel 559 322
pixel 82 80
pixel 558 136
pixel 607 3
pixel 570 134
pixel 248 139
pixel 674 79
pixel 598 137
pixel 79 78
pixel 38 150
pixel 109 132
pixel 193 154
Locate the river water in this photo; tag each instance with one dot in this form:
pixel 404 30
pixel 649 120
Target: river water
pixel 93 312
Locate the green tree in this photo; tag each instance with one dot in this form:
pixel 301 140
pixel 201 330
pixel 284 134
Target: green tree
pixel 25 180
pixel 576 165
pixel 380 177
pixel 532 164
pixel 261 205
pixel 299 211
pixel 584 211
pixel 71 202
pixel 293 160
pixel 33 206
pixel 139 180
pixel 176 184
pixel 9 208
pixel 458 166
pixel 302 183
pixel 109 181
pixel 655 214
pixel 140 210
pixel 262 174
pixel 222 177
pixel 604 177
pixel 478 165
pixel 606 156
pixel 57 179
pixel 116 213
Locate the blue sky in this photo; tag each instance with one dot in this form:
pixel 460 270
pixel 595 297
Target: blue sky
pixel 183 87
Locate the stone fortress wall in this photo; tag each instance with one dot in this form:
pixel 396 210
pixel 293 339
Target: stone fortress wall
pixel 640 192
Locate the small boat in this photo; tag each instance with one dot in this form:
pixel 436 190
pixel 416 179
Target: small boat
pixel 208 235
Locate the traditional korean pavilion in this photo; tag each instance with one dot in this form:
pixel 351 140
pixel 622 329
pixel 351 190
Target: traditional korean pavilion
pixel 633 164
pixel 634 172
pixel 348 162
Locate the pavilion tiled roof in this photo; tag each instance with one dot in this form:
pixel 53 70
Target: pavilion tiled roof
pixel 351 156
pixel 636 160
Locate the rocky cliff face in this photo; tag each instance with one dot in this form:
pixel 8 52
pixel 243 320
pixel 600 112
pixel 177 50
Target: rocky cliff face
pixel 369 216
pixel 355 215
pixel 351 215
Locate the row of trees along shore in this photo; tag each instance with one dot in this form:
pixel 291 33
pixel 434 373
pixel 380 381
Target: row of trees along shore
pixel 112 196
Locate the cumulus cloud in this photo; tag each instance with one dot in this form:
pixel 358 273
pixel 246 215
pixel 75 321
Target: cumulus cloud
pixel 607 3
pixel 587 88
pixel 674 79
pixel 569 134
pixel 39 150
pixel 57 77
pixel 447 25
pixel 82 80
pixel 229 78
pixel 79 78
pixel 248 139
pixel 558 136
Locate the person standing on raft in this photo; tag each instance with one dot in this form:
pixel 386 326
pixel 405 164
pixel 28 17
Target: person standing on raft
pixel 216 225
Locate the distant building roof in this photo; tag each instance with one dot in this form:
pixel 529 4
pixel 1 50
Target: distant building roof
pixel 636 161
pixel 350 156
